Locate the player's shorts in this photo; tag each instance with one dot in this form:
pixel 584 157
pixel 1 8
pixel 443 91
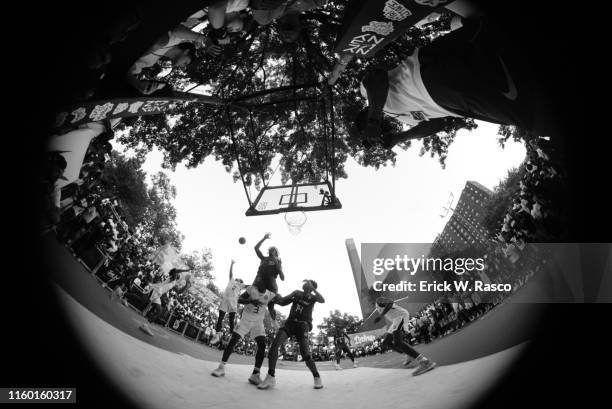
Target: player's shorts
pixel 398 323
pixel 228 306
pixel 269 281
pixel 252 325
pixel 297 329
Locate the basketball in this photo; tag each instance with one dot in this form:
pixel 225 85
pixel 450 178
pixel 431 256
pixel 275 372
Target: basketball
pixel 242 240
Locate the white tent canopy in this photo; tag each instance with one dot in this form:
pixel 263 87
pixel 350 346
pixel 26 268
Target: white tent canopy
pixel 73 146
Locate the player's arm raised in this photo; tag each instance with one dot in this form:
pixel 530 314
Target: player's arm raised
pixel 258 245
pixel 231 275
pixel 318 296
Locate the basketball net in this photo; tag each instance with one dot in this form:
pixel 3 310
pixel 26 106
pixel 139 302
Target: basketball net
pixel 295 221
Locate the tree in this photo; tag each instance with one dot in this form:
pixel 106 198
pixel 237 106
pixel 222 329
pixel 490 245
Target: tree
pixel 124 179
pixel 148 211
pixel 159 225
pixel 200 263
pixel 336 318
pixel 287 124
pixel 498 204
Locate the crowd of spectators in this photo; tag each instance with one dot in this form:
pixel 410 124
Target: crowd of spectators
pixel 211 29
pixel 534 217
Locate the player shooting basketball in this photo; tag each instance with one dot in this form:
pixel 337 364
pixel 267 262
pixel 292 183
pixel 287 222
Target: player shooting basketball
pixel 270 267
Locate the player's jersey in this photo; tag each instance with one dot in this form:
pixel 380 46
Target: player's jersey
pixel 301 309
pixel 257 311
pixel 232 291
pixel 270 266
pixel 339 338
pixel 160 289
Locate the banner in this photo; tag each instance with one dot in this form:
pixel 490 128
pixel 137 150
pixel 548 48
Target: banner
pixel 92 111
pixel 366 337
pixel 371 25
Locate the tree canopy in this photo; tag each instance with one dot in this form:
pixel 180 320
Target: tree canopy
pixel 291 130
pixel 148 210
pixel 336 318
pixel 498 204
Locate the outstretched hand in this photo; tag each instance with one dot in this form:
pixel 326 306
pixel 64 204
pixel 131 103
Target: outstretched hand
pixel 267 236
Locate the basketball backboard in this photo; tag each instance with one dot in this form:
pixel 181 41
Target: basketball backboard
pixel 290 198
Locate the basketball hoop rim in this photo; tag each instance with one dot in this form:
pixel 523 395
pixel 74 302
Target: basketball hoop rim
pixel 296 223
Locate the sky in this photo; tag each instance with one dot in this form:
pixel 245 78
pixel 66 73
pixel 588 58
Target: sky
pixel 400 204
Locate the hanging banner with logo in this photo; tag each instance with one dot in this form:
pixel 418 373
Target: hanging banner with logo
pixel 93 111
pixel 366 337
pixel 370 25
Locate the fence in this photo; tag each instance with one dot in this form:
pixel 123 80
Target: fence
pixel 138 301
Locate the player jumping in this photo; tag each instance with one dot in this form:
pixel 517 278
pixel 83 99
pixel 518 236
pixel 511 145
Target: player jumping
pixel 398 318
pixel 270 267
pixel 159 289
pixel 228 305
pixel 340 338
pixel 298 325
pixel 252 321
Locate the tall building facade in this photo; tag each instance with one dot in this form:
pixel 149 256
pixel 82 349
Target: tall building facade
pixel 465 226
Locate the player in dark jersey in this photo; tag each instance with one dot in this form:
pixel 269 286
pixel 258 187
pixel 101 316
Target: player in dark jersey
pixel 270 267
pixel 298 325
pixel 340 338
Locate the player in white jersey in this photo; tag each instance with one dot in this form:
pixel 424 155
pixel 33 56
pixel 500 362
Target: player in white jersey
pixel 158 290
pixel 398 319
pixel 229 304
pixel 255 299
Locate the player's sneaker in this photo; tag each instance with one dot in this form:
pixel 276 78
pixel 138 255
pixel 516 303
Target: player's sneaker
pixel 354 364
pixel 255 379
pixel 411 362
pixel 145 328
pixel 268 383
pixel 318 383
pixel 424 366
pixel 220 371
pixel 337 366
pixel 216 338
